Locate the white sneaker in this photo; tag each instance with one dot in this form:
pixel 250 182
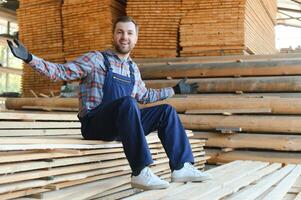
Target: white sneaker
pixel 147 180
pixel 189 173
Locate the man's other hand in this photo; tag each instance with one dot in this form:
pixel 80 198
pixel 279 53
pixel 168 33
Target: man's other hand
pixel 186 88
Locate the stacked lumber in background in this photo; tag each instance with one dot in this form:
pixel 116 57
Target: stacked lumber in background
pixel 158 27
pixel 247 107
pixel 40 29
pixel 290 50
pixel 88 25
pixel 237 180
pixel 214 28
pixel 43 155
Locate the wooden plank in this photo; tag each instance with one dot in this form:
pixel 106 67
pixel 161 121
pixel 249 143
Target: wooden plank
pixel 38 132
pixel 217 156
pixel 38 116
pixel 47 164
pixel 91 189
pixel 258 141
pixel 288 105
pixel 264 184
pixel 37 125
pixel 221 69
pixel 248 123
pixel 244 84
pixel 231 111
pixel 282 188
pixel 19 103
pixel 152 194
pixel 196 190
pixel 232 187
pixel 278 105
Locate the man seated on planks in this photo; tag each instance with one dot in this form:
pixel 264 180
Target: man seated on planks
pixel 110 88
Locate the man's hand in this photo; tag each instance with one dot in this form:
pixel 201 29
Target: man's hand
pixel 19 50
pixel 185 88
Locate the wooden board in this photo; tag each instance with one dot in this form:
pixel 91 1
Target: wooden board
pixel 236 180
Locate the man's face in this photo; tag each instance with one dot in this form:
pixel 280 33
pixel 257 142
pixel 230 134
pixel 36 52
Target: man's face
pixel 125 37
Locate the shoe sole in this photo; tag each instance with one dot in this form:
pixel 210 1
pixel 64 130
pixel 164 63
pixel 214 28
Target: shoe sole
pixel 152 187
pixel 187 179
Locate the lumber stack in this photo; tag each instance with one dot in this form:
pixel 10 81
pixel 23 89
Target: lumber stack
pixel 40 28
pixel 237 180
pixel 214 28
pixel 44 156
pixel 247 107
pixel 88 28
pixel 158 27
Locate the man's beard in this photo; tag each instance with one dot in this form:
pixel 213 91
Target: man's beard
pixel 121 50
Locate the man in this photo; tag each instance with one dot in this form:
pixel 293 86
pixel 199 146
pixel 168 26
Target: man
pixel 110 87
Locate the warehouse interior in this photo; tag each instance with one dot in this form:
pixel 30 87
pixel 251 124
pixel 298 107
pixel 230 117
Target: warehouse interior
pixel 243 124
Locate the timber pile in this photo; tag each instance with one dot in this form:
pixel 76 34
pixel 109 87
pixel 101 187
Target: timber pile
pixel 214 28
pixel 40 28
pixel 290 50
pixel 43 155
pixel 239 115
pixel 237 180
pixel 158 27
pixel 248 107
pixel 88 28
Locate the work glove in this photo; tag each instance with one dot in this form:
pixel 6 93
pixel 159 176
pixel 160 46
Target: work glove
pixel 185 88
pixel 19 50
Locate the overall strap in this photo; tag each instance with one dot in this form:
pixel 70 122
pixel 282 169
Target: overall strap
pixel 132 73
pixel 106 61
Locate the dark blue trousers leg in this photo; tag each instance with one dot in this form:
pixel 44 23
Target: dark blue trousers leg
pixel 120 118
pixel 165 119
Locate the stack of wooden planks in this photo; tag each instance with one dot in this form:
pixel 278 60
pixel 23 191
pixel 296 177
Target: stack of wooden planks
pixel 237 180
pixel 158 27
pixel 40 29
pixel 88 24
pixel 243 103
pixel 216 27
pixel 248 107
pixel 44 156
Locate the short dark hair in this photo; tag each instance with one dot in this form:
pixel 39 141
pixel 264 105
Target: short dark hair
pixel 126 19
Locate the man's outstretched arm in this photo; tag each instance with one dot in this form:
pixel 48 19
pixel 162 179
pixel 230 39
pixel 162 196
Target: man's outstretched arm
pixel 69 71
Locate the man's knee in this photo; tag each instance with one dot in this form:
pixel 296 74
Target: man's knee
pixel 169 109
pixel 128 102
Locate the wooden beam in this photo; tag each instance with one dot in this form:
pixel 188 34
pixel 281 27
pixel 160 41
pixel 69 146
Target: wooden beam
pixel 244 84
pixel 230 111
pixel 226 69
pixel 217 156
pixel 193 102
pixel 248 123
pixel 248 141
pixel 18 103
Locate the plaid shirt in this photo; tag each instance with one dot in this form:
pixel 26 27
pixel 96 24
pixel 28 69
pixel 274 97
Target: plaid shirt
pixel 91 72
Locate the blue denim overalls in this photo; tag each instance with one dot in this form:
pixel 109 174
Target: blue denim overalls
pixel 118 117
